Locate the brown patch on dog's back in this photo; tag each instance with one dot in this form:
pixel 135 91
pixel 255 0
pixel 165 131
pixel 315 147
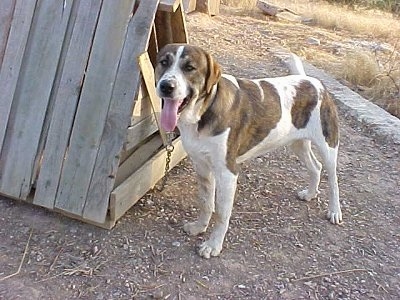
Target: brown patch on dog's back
pixel 251 116
pixel 256 116
pixel 304 103
pixel 329 120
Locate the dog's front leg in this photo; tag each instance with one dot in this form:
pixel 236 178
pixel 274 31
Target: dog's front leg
pixel 205 199
pixel 226 188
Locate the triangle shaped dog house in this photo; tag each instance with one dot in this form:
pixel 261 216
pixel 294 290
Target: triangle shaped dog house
pixel 78 111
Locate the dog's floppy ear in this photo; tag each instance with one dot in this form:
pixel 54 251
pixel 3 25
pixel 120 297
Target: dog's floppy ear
pixel 214 73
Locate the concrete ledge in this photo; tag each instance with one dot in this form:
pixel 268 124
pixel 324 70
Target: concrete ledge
pixel 376 119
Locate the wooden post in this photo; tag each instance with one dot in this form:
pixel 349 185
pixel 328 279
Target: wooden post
pixel 210 7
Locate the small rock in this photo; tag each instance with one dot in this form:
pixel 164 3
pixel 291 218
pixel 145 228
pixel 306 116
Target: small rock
pixel 331 295
pixel 95 249
pixel 176 244
pixel 39 257
pixel 313 41
pixel 173 220
pixel 241 286
pixel 158 295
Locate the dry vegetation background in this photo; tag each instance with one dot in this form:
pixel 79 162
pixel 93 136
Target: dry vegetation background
pixel 370 62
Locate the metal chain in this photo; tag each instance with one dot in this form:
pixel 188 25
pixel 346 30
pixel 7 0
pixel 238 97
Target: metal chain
pixel 169 148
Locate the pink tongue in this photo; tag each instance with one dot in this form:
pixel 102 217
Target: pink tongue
pixel 169 114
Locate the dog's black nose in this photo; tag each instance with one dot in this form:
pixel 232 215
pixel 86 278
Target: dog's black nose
pixel 167 87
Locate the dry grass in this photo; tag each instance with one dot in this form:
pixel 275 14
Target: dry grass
pixel 336 17
pixel 375 74
pixel 360 68
pixel 372 23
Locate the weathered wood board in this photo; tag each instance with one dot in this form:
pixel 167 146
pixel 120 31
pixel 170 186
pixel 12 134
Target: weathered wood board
pixel 14 36
pixel 136 185
pixel 31 97
pixel 91 114
pixel 169 5
pixel 6 15
pixel 140 131
pixel 138 158
pixel 66 100
pixel 189 5
pixel 148 77
pixel 210 7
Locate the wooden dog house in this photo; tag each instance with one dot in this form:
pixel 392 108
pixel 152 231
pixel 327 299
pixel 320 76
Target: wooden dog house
pixel 78 109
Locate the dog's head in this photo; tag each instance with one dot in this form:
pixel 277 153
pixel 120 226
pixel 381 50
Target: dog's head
pixel 184 74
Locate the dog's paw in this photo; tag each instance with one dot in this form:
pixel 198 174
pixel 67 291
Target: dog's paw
pixel 335 217
pixel 306 195
pixel 194 228
pixel 210 248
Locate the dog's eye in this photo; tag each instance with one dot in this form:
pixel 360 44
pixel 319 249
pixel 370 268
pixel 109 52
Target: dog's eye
pixel 189 68
pixel 164 62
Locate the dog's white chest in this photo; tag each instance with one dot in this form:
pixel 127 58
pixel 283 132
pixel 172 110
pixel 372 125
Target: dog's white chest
pixel 210 149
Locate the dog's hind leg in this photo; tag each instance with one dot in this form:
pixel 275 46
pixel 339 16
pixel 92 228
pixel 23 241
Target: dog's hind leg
pixel 329 156
pixel 302 148
pixel 226 187
pixel 206 199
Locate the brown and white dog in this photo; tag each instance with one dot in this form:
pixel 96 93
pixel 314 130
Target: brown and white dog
pixel 224 121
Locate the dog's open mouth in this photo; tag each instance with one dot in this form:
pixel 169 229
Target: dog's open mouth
pixel 183 105
pixel 170 111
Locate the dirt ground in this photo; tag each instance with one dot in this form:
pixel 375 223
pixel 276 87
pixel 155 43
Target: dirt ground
pixel 277 247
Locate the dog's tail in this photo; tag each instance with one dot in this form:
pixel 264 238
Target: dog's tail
pixel 295 65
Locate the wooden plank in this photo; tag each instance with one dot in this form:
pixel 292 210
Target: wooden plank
pixel 169 5
pixel 148 77
pixel 140 131
pixel 93 105
pixel 114 133
pixel 171 27
pixel 142 106
pixel 163 28
pixel 210 7
pixel 178 26
pixel 107 224
pixel 138 158
pixel 32 95
pixel 214 7
pixel 153 46
pixel 17 37
pixel 66 99
pixel 6 14
pixel 54 90
pixel 136 185
pixel 189 5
